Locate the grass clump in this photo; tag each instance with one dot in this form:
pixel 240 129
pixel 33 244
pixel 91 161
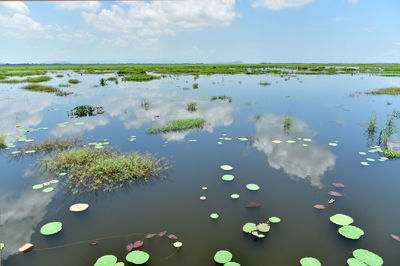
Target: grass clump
pixel 59 76
pixel 140 77
pixel 89 169
pixel 195 85
pixel 388 91
pixel 391 154
pixel 38 87
pixel 50 145
pixel 178 125
pixel 112 78
pixel 287 123
pixel 373 119
pixel 264 83
pixel 221 97
pixel 85 110
pixel 2 141
pixel 33 80
pixel 73 81
pixel 192 107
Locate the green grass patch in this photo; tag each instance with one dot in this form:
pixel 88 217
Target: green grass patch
pixel 93 169
pixel 24 73
pixel 59 76
pixel 140 77
pixel 85 110
pixel 33 80
pixel 391 154
pixel 73 81
pixel 387 91
pixel 179 125
pixel 112 78
pixel 221 97
pixel 264 83
pixel 195 85
pixel 192 107
pixel 43 88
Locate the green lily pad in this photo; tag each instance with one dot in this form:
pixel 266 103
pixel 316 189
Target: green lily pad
pixel 31 151
pixel 370 159
pixel 365 163
pixel 367 257
pixel 214 216
pixel 53 181
pixel 290 141
pixel 252 187
pixel 219 142
pixel 137 257
pixel 355 262
pixel 243 139
pixel 222 256
pixel 1 246
pixel 332 144
pixel 62 174
pixel 226 167
pixel 257 234
pixel 49 189
pixel 228 177
pixel 310 261
pixel 231 263
pixel 192 140
pixel 235 196
pixel 37 186
pixel 308 140
pixel 249 227
pixel 106 260
pixel 351 231
pixel 274 220
pixel 119 264
pixel 51 228
pixel 341 219
pixel 277 141
pixel 263 227
pixel 15 152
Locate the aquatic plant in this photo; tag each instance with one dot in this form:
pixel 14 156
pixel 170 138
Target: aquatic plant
pixel 51 144
pixel 2 141
pixel 178 125
pixel 63 85
pixel 85 110
pixel 140 77
pixel 373 119
pixel 59 76
pixel 287 123
pixel 112 78
pixel 145 104
pixel 391 154
pixel 92 169
pixel 102 82
pixel 33 80
pixel 388 91
pixel 73 81
pixel 264 83
pixel 221 97
pixel 195 85
pixel 388 129
pixel 63 93
pixel 38 87
pixel 192 107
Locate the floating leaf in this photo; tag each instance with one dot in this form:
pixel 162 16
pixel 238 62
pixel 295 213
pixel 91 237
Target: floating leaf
pixel 177 244
pixel 138 244
pixel 214 215
pixel 338 185
pixel 290 141
pixel 334 193
pixel 355 262
pixel 253 204
pixel 263 227
pixel 171 236
pixel 79 123
pixel 332 144
pixel 255 233
pixel 129 247
pixel 78 207
pixel 365 163
pixel 49 189
pixel 367 257
pixel 106 260
pixel 15 152
pixel 137 257
pixel 222 256
pixel 119 264
pixel 310 261
pixel 228 177
pixel 204 188
pixel 235 196
pixel 362 153
pixel 161 234
pixel 54 181
pixel 274 220
pixel 192 140
pixel 1 246
pixel 37 186
pixel 150 235
pixel 395 237
pixel 370 159
pixel 231 263
pixel 51 228
pixel 243 139
pixel 341 219
pixel 31 151
pixel 319 206
pixel 226 167
pixel 252 187
pixel 26 248
pixel 277 141
pixel 351 231
pixel 62 174
pixel 249 227
pixel 219 142
pixel 308 140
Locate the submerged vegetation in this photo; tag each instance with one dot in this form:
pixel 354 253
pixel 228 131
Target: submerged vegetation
pixel 92 169
pixel 221 97
pixel 389 128
pixel 192 107
pixel 178 125
pixel 388 91
pixel 85 110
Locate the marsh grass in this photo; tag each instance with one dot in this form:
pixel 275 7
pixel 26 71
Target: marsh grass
pixel 373 119
pixel 387 91
pixel 192 107
pixel 59 76
pixel 89 169
pixel 140 77
pixel 195 85
pixel 24 73
pixel 50 145
pixel 102 82
pixel 32 80
pixel 43 88
pixel 73 81
pixel 221 97
pixel 179 125
pixel 287 123
pixel 264 83
pixel 2 141
pixel 85 110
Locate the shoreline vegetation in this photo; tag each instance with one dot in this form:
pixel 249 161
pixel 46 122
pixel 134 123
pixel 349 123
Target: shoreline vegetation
pixel 138 72
pixel 178 125
pixel 386 91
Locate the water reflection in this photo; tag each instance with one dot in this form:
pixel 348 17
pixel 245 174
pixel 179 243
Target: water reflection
pixel 309 162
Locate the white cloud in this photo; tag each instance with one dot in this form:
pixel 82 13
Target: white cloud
pixel 150 19
pixel 78 5
pixel 280 4
pixel 337 19
pixel 370 29
pixel 397 43
pixel 76 36
pixel 13 7
pixel 352 1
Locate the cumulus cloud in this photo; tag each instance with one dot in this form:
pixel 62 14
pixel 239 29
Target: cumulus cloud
pixel 78 5
pixel 280 4
pixel 308 163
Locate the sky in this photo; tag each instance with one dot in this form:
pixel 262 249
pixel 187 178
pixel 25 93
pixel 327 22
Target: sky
pixel 201 31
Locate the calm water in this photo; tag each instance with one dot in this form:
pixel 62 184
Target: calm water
pixel 292 177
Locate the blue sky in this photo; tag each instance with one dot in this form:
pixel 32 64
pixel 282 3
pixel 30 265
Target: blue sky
pixel 253 31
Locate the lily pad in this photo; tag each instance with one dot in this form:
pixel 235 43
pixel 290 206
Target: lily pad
pixel 51 228
pixel 15 152
pixel 53 181
pixel 1 246
pixel 78 207
pixel 214 216
pixel 228 177
pixel 249 227
pixel 226 167
pixel 222 256
pixel 290 141
pixel 362 153
pixel 62 174
pixel 106 260
pixel 37 186
pixel 231 263
pixel 341 219
pixel 308 140
pixel 365 163
pixel 235 196
pixel 310 261
pixel 257 234
pixel 263 227
pixel 243 139
pixel 370 159
pixel 252 187
pixel 274 220
pixel 332 144
pixel 49 189
pixel 351 231
pixel 367 257
pixel 355 262
pixel 277 141
pixel 219 142
pixel 137 257
pixel 177 244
